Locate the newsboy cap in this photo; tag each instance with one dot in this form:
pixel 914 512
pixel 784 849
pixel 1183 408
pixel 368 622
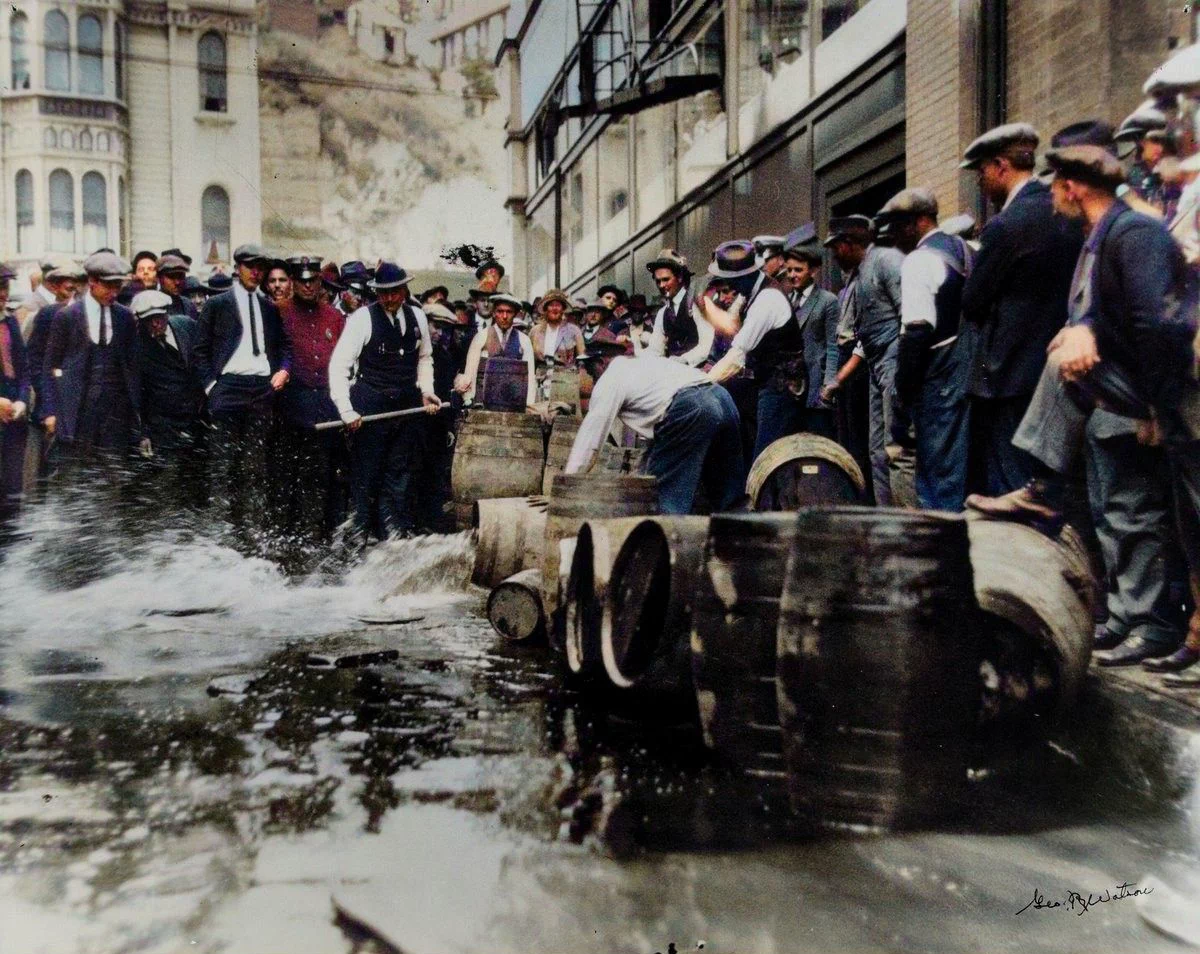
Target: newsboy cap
pixel 150 302
pixel 911 202
pixel 174 251
pixel 502 299
pixel 1179 73
pixel 250 252
pixel 853 227
pixel 767 245
pixel 1143 119
pixel 962 225
pixel 7 272
pixel 1003 140
pixel 62 266
pixel 1090 132
pixel 172 263
pixel 1091 165
pixel 107 266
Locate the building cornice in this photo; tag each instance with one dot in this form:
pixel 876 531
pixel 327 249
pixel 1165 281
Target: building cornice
pixel 154 14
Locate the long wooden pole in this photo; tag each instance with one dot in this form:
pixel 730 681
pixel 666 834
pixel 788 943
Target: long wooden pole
pixel 385 416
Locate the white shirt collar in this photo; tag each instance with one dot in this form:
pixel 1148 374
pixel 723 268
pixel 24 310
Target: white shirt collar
pixel 1015 190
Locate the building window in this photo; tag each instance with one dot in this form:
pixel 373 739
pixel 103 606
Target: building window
pixel 102 143
pixel 95 211
pixel 50 138
pixel 62 211
pixel 85 141
pixel 24 211
pixel 119 59
pixel 122 218
pixel 57 40
pixel 91 55
pixel 212 73
pixel 18 32
pixel 66 139
pixel 214 224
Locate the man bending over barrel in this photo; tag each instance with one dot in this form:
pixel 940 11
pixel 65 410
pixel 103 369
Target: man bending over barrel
pixel 692 423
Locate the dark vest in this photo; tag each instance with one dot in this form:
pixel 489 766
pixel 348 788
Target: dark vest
pixel 512 347
pixel 106 416
pixel 948 300
pixel 679 330
pixel 388 363
pixel 778 361
pixel 168 390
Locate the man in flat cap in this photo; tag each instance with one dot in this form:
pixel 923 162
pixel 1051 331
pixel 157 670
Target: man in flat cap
pixel 15 388
pixel 1014 302
pixel 769 249
pixel 1122 349
pixel 310 459
pixel 61 279
pixel 92 370
pixel 499 340
pixel 679 331
pixel 172 281
pixel 816 312
pixel 933 362
pixel 692 424
pixel 871 306
pixel 245 358
pixel 384 362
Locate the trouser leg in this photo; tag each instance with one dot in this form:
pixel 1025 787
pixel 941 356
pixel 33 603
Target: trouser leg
pixel 12 465
pixel 724 469
pixel 780 414
pixel 1129 490
pixel 941 454
pixel 877 443
pixel 676 457
pixel 996 466
pixel 368 457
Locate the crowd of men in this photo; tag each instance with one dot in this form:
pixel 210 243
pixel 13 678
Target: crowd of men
pixel 992 368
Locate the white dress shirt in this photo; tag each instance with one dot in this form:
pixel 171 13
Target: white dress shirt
pixel 91 308
pixel 243 360
pixel 922 274
pixel 769 309
pixel 475 355
pixel 343 363
pixel 704 333
pixel 638 391
pixel 550 341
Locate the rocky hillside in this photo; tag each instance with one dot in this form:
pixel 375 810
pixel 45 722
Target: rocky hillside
pixel 362 159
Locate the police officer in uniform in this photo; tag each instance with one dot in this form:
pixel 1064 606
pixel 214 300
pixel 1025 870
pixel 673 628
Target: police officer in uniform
pixel 384 362
pixel 932 365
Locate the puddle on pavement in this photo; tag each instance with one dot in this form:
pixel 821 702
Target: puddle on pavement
pixel 457 799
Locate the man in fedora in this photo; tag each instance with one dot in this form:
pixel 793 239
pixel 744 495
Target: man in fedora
pixel 932 362
pixel 679 330
pixel 498 340
pixel 553 337
pixel 489 274
pixel 770 343
pixel 1014 302
pixel 384 362
pixel 769 249
pixel 353 287
pixel 244 359
pixel 692 424
pixel 94 392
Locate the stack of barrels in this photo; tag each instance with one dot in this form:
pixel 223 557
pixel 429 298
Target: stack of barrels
pixel 846 663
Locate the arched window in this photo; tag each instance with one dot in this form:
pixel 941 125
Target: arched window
pixel 57 40
pixel 119 59
pixel 214 224
pixel 91 54
pixel 62 211
pixel 102 143
pixel 24 211
pixel 211 59
pixel 50 138
pixel 66 139
pixel 122 227
pixel 95 211
pixel 85 140
pixel 18 33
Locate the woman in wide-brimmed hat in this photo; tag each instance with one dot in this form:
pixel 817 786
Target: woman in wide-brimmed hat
pixel 553 336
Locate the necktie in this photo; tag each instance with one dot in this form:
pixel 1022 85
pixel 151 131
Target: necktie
pixel 254 327
pixel 103 326
pixel 6 361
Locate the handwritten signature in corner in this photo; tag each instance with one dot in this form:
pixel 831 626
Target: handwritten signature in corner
pixel 1079 904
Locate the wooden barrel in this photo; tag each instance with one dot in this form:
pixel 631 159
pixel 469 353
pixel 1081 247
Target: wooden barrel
pixel 514 607
pixel 620 460
pixel 647 615
pixel 1031 582
pixel 574 499
pixel 735 615
pixel 804 470
pixel 562 439
pixel 508 537
pixel 498 454
pixel 878 668
pixel 502 384
pixel 564 388
pixel 1080 568
pixel 587 593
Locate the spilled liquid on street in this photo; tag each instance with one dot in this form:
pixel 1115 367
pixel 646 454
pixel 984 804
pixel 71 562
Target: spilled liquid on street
pixel 458 798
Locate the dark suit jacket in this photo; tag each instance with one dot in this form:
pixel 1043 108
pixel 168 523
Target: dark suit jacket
pixel 65 366
pixel 1016 298
pixel 39 337
pixel 818 321
pixel 1138 268
pixel 20 358
pixel 181 305
pixel 220 330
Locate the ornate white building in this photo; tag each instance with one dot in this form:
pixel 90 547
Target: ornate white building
pixel 128 125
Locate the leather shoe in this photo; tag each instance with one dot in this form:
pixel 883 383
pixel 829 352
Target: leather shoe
pixel 1028 505
pixel 1179 660
pixel 1189 679
pixel 1106 639
pixel 1131 652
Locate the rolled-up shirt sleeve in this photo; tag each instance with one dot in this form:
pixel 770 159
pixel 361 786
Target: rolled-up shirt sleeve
pixel 921 275
pixel 344 360
pixel 603 408
pixel 424 355
pixel 530 374
pixel 658 338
